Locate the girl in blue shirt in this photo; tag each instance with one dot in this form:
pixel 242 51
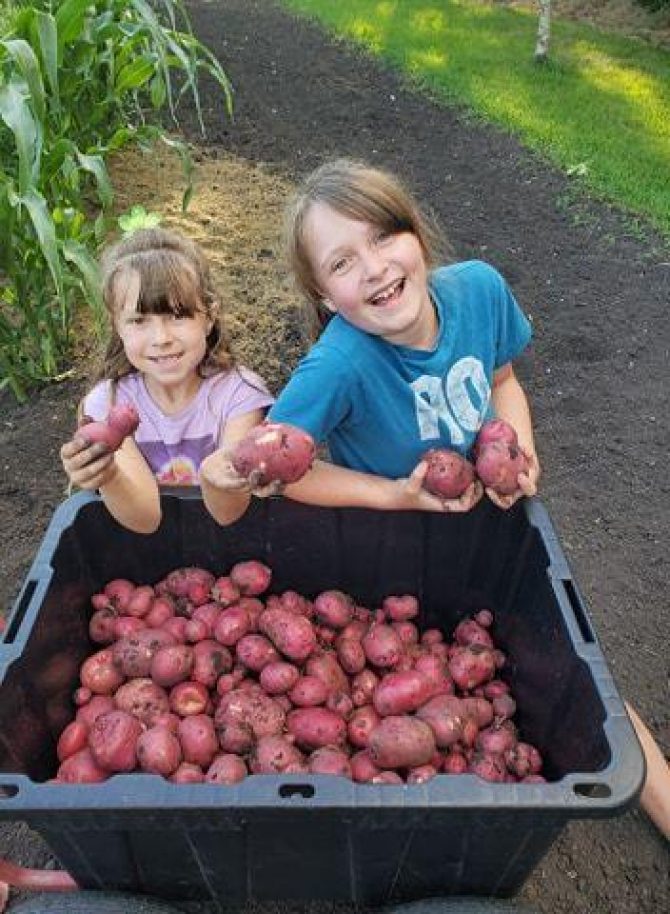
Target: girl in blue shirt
pixel 409 358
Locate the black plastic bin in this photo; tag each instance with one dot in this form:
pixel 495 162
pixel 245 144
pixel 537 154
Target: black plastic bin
pixel 310 837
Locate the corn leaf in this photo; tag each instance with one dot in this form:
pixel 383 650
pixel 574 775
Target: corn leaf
pixel 16 113
pixel 42 222
pixel 134 75
pixel 29 68
pixel 48 43
pixel 95 165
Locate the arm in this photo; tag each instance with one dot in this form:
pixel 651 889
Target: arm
pixel 127 485
pixel 225 494
pixel 655 796
pixel 510 403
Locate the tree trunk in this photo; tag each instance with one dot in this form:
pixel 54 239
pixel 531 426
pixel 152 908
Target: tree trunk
pixel 543 29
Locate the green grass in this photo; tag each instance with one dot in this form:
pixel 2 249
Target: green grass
pixel 599 109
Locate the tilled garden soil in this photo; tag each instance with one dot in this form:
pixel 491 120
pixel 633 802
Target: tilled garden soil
pixel 598 294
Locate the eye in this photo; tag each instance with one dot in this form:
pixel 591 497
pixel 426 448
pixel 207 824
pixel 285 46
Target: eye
pixel 383 235
pixel 340 265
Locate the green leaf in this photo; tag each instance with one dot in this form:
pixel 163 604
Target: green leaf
pixel 16 113
pixel 95 164
pixel 134 75
pixel 48 43
pixel 70 22
pixel 77 254
pixel 29 67
pixel 36 205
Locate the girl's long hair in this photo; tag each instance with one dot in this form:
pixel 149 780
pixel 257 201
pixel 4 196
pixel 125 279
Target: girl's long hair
pixel 361 192
pixel 174 278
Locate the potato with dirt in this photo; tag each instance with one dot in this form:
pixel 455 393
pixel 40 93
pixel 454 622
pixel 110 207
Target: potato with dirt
pixel 401 741
pixel 274 452
pixel 449 474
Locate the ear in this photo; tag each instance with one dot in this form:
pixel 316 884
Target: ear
pixel 328 305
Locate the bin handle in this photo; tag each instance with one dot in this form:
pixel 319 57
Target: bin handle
pixel 30 598
pixel 578 608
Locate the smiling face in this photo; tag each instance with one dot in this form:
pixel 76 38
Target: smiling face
pixel 166 345
pixel 375 279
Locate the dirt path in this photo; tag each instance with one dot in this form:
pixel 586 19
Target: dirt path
pixel 598 296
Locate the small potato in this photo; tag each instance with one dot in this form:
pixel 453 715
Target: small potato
pixel 133 655
pixel 159 751
pixel 399 693
pixel 172 664
pixel 351 655
pixel 448 475
pixel 198 739
pixel 382 646
pixel 361 724
pixel 251 578
pixel 400 608
pixel 73 739
pixel 279 678
pixel 189 697
pixel 333 608
pixel 226 769
pixel 255 652
pixel 273 754
pixel 445 715
pixel 143 699
pixel 308 692
pixel 100 674
pixel 499 465
pixel 81 768
pixel 329 760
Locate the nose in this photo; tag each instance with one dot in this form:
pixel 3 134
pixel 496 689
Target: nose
pixel 161 327
pixel 374 263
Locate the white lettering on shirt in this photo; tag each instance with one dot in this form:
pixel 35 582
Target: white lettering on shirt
pixel 450 400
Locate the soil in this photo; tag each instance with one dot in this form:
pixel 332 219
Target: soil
pixel 596 284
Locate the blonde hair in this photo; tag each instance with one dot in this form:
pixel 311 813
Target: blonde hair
pixel 174 278
pixel 361 192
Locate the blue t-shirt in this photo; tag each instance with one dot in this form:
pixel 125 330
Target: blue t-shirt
pixel 380 407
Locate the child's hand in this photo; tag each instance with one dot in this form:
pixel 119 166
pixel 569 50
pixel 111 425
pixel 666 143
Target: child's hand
pixel 88 466
pixel 527 485
pixel 414 497
pixel 219 472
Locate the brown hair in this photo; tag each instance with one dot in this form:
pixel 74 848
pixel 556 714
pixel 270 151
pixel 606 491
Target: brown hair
pixel 174 279
pixel 361 192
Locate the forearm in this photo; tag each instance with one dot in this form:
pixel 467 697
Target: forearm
pixel 511 404
pixel 333 486
pixel 225 505
pixel 133 501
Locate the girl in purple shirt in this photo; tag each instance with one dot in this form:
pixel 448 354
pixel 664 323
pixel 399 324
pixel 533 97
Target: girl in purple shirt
pixel 167 356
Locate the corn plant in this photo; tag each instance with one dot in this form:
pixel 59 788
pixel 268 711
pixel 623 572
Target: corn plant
pixel 79 80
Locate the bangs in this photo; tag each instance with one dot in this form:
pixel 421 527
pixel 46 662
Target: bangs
pixel 165 283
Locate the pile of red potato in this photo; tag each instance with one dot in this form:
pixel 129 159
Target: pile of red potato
pixel 198 679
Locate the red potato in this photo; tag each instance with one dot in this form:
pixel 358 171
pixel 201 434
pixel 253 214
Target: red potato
pixel 140 602
pixel 253 607
pixel 274 452
pixel 351 655
pixel 73 739
pixel 399 693
pixel 359 726
pixel 99 673
pixel 434 670
pixel 494 430
pixel 468 631
pixel 210 661
pixel 172 664
pixel 340 703
pixel 489 767
pixel 292 635
pixel 495 688
pixel 296 603
pixel 225 591
pixel 196 630
pixel 472 666
pixel 325 667
pixel 504 707
pixel 445 716
pixel 158 751
pixel 187 582
pixel 382 646
pixel 101 433
pixel 479 709
pixel 401 742
pixel 406 631
pixel 187 773
pixel 82 696
pixel 333 608
pixel 273 755
pixel 363 769
pixel 198 739
pixel 400 608
pixel 232 624
pixel 498 738
pixel 118 592
pixel 387 777
pixel 354 631
pixel 499 465
pixel 316 727
pixel 161 610
pixel 143 699
pixel 81 768
pixel 188 697
pixel 448 474
pixel 329 760
pixel 207 613
pixel 101 627
pixel 523 760
pixel 226 769
pixel 431 636
pixel 175 626
pixel 252 708
pixel 455 762
pixel 308 692
pixel 363 686
pixel 126 626
pixel 279 678
pixel 113 741
pixel 421 774
pixel 97 705
pixel 255 652
pixel 251 578
pixel 133 655
pixel 235 737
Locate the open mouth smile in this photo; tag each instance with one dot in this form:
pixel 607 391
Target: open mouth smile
pixel 387 295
